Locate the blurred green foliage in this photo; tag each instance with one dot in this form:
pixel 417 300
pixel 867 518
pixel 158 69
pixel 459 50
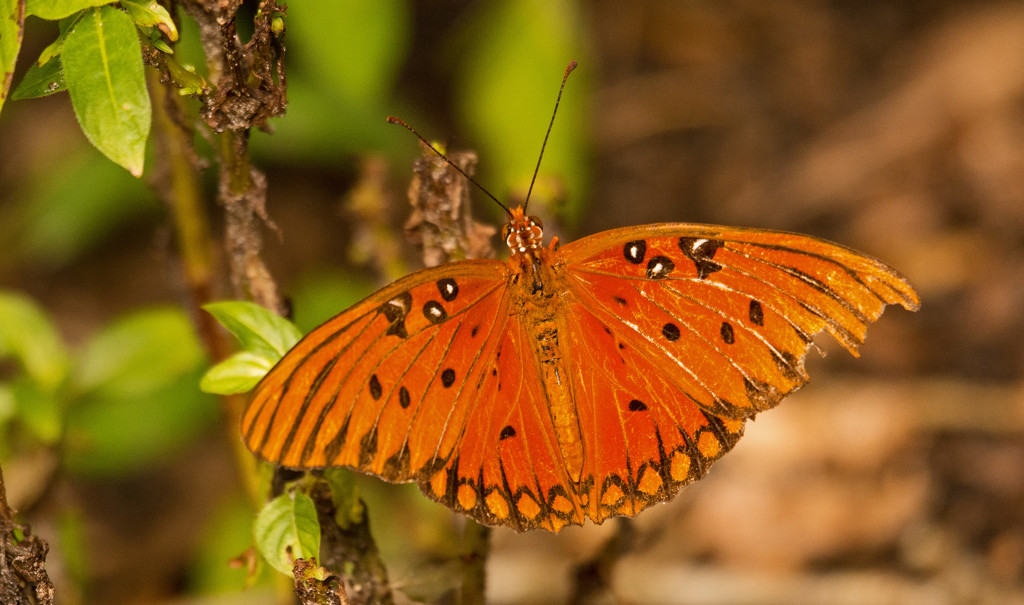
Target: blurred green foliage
pixel 137 399
pixel 125 400
pixel 506 91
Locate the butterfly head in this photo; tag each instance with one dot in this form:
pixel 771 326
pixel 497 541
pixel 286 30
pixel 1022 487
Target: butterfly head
pixel 524 235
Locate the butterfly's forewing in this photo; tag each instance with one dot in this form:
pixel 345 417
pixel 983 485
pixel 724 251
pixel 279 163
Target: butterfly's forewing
pixel 680 332
pixel 355 389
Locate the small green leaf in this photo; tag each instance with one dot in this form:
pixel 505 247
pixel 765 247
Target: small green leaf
pixel 41 81
pixel 260 331
pixel 58 9
pixel 139 353
pixel 103 69
pixel 12 26
pixel 147 13
pixel 27 335
pixel 287 529
pixel 236 374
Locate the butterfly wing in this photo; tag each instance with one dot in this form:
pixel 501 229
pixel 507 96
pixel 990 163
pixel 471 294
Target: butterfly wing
pixel 406 385
pixel 357 390
pixel 680 332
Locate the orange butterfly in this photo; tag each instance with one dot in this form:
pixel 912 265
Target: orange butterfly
pixel 588 380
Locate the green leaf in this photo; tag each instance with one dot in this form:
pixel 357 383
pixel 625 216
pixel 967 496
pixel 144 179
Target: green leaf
pixel 236 374
pixel 103 69
pixel 41 81
pixel 58 9
pixel 27 335
pixel 260 331
pixel 287 529
pixel 12 26
pixel 147 13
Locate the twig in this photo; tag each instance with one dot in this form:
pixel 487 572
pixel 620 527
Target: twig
pixel 249 88
pixel 351 548
pixel 442 222
pixel 476 544
pixel 23 577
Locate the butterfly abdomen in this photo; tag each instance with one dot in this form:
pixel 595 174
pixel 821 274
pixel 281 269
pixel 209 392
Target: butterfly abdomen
pixel 560 404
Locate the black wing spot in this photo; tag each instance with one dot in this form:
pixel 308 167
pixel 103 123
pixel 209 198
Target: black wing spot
pixel 448 377
pixel 635 251
pixel 472 333
pixel 636 405
pixel 728 336
pixel 506 432
pixel 670 331
pixel 434 312
pixel 395 310
pixel 701 251
pixel 620 300
pixel 375 389
pixel 404 399
pixel 448 289
pixel 494 371
pixel 756 313
pixel 659 267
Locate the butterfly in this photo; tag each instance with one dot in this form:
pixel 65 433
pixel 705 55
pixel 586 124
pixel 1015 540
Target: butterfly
pixel 587 380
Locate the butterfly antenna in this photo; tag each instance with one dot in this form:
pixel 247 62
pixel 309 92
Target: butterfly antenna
pixel 568 70
pixel 394 120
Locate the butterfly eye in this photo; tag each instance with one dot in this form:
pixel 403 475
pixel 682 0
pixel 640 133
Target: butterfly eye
pixel 533 220
pixel 506 231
